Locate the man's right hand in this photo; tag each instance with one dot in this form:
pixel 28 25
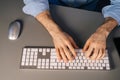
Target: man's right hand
pixel 65 46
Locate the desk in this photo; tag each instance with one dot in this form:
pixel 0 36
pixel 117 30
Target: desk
pixel 77 22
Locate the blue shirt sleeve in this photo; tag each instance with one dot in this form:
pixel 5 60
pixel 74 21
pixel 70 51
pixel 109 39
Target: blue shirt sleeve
pixel 112 10
pixel 34 7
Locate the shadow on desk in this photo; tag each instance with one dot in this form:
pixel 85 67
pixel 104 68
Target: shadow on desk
pixel 111 45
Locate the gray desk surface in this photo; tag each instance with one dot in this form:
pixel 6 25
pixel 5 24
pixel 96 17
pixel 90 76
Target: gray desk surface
pixel 77 22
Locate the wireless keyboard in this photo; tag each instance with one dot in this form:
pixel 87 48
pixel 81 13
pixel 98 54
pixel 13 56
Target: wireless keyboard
pixel 44 58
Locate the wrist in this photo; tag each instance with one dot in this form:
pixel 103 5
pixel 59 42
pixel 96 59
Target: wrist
pixel 111 21
pixel 107 26
pixel 103 31
pixel 55 31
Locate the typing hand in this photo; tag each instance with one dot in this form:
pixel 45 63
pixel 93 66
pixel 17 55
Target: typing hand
pixel 64 45
pixel 95 47
pixel 96 44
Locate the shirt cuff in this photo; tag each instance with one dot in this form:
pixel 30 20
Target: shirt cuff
pixel 112 11
pixel 35 7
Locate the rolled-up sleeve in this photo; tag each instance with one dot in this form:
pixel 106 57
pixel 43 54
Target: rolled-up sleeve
pixel 112 10
pixel 35 7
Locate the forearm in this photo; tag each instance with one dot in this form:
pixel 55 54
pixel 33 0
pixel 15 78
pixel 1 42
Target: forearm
pixel 107 26
pixel 45 19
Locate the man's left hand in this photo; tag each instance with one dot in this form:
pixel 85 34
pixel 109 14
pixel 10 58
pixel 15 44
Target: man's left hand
pixel 95 47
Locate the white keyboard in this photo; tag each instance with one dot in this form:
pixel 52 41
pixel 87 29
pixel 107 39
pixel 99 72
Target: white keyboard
pixel 44 58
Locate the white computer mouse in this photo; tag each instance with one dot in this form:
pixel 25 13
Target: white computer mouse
pixel 15 29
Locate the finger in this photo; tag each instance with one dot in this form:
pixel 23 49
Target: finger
pixel 89 52
pixel 95 54
pixel 72 50
pixel 68 54
pixel 63 55
pixel 104 52
pixel 100 54
pixel 58 54
pixel 86 46
pixel 73 43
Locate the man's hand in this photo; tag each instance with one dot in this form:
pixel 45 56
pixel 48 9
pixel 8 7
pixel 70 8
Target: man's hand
pixel 95 47
pixel 63 42
pixel 64 45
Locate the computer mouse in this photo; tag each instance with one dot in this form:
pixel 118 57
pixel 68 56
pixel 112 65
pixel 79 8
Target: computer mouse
pixel 14 30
